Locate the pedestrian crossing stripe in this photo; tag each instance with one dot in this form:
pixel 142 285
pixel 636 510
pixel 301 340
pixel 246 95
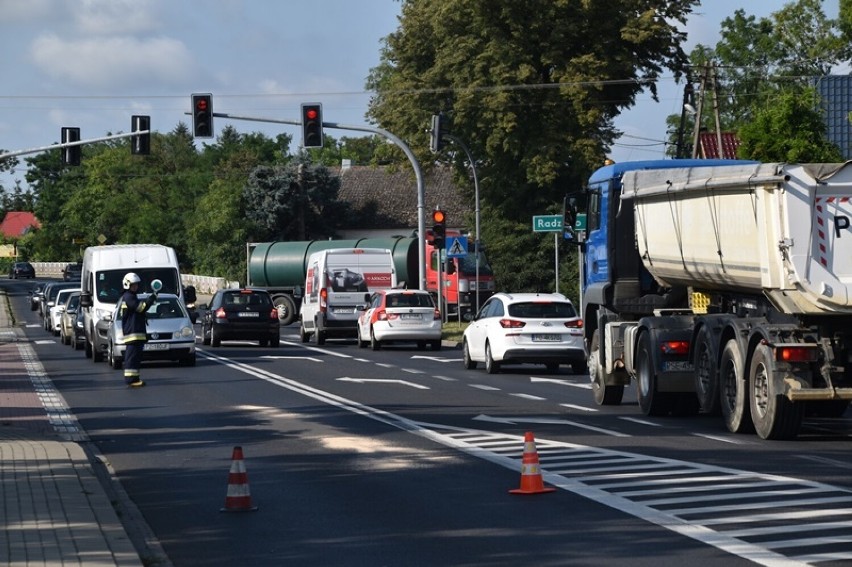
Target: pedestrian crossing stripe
pixel 457 246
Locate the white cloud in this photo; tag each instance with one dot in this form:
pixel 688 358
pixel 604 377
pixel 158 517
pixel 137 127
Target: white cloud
pixel 113 17
pixel 112 61
pixel 29 10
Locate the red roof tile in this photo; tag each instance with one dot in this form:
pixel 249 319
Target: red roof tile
pixel 18 223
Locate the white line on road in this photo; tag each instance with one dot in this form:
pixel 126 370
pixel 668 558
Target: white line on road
pixel 640 421
pixel 382 381
pixel 528 397
pixel 484 387
pixel 581 408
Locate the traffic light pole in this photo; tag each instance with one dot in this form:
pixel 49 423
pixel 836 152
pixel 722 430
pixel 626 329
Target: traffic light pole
pixel 421 191
pixel 465 149
pixel 72 144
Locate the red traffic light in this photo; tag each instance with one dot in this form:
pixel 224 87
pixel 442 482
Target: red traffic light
pixel 311 114
pixel 201 103
pixel 438 216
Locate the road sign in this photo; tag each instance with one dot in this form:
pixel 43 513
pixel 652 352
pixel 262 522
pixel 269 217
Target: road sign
pixel 580 222
pixel 547 223
pixel 456 246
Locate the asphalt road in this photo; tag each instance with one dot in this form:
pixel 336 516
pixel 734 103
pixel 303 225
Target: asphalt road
pixel 402 457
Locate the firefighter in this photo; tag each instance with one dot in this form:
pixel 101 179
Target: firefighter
pixel 133 323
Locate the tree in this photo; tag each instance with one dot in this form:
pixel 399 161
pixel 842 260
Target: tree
pixel 790 129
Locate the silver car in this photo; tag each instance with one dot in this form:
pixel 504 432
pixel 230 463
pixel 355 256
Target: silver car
pixel 170 333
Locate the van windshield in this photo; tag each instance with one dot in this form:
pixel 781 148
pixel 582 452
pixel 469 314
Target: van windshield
pixel 108 282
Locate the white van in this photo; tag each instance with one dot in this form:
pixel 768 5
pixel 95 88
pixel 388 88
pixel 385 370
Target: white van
pixel 104 268
pixel 338 281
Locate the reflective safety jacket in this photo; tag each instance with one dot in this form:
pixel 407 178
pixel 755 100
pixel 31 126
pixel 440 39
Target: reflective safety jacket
pixel 133 316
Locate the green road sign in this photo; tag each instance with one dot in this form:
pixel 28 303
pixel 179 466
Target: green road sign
pixel 580 222
pixel 547 223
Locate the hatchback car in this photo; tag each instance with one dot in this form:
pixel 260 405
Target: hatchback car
pixel 48 300
pixel 55 319
pixel 400 315
pixel 67 318
pixel 241 314
pixel 168 329
pixel 532 328
pixel 21 270
pixel 72 272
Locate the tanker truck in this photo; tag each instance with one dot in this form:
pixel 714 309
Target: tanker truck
pixel 281 267
pixel 723 287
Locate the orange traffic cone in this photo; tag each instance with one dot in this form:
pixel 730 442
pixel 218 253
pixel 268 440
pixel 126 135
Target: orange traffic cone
pixel 531 480
pixel 238 498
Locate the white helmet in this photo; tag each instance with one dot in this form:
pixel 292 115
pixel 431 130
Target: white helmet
pixel 129 279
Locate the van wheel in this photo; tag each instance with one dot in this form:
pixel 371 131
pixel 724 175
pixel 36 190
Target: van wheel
pixel 320 337
pixel 303 335
pixel 87 346
pixel 97 355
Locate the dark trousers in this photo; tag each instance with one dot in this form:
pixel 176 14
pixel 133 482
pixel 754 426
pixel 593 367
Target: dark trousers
pixel 132 361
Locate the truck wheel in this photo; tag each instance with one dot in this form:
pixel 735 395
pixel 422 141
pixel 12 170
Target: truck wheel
pixel 286 309
pixel 469 363
pixel 706 374
pixel 733 394
pixel 604 395
pixel 491 365
pixel 651 401
pixel 774 416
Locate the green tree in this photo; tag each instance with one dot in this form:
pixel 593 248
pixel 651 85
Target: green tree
pixel 790 129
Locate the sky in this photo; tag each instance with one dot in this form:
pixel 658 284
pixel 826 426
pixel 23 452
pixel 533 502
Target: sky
pixel 95 63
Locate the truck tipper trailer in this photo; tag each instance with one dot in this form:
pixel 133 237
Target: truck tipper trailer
pixel 720 286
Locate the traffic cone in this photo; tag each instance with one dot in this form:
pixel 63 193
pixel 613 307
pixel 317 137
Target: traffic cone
pixel 238 498
pixel 531 480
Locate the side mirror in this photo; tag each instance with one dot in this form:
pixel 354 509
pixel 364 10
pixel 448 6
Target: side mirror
pixel 362 307
pixel 189 294
pixel 367 298
pixel 85 300
pixel 451 267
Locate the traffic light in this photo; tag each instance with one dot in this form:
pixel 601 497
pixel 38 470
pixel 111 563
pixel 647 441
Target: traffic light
pixel 72 155
pixel 140 145
pixel 202 115
pixel 439 129
pixel 439 229
pixel 312 125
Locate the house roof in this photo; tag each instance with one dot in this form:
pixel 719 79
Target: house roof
pixel 389 198
pixel 708 145
pixel 18 223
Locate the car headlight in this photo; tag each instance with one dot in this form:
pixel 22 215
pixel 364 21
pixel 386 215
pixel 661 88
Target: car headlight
pixel 101 314
pixel 185 333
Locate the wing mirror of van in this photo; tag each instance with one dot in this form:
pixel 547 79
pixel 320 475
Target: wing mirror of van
pixel 85 300
pixel 189 294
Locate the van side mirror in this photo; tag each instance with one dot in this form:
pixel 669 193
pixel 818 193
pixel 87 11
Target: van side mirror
pixel 85 300
pixel 189 294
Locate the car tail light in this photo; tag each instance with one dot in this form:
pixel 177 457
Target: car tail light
pixel 511 324
pixel 381 315
pixel 323 299
pixel 274 313
pixel 437 315
pixel 220 313
pixel 576 324
pixel 675 347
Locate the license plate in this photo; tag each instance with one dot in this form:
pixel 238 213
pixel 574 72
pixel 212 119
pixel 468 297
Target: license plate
pixel 343 310
pixel 248 314
pixel 677 366
pixel 156 346
pixel 546 338
pixel 410 316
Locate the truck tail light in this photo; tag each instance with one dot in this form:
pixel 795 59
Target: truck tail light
pixel 511 324
pixel 675 347
pixel 796 354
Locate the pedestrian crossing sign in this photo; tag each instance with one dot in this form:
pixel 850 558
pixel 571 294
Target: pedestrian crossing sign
pixel 456 246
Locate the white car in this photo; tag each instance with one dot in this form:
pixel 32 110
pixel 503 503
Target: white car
pixel 169 331
pixel 400 315
pixel 55 318
pixel 531 328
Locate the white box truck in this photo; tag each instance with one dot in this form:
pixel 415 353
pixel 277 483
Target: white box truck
pixel 104 268
pixel 338 281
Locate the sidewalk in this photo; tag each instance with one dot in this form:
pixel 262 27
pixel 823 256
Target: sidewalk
pixel 60 502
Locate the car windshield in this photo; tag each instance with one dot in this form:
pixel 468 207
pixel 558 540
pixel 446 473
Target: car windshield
pixel 409 300
pixel 166 308
pixel 542 310
pixel 238 298
pixel 109 288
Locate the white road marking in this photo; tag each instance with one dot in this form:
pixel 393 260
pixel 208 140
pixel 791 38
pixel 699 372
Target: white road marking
pixel 581 408
pixel 381 381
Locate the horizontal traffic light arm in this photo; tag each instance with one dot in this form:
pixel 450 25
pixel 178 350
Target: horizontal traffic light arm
pixel 72 144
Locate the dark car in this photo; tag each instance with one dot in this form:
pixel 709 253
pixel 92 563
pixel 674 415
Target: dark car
pixel 72 272
pixel 241 314
pixel 21 270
